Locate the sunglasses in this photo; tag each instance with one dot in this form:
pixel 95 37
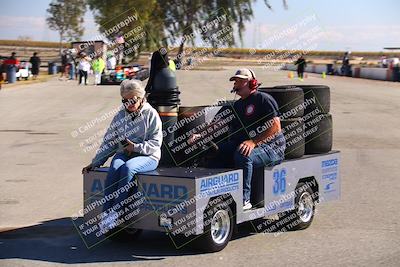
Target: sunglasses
pixel 130 101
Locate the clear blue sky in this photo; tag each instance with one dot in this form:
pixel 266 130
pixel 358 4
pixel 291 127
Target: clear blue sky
pixel 355 25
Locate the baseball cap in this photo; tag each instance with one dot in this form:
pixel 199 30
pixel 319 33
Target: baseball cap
pixel 243 74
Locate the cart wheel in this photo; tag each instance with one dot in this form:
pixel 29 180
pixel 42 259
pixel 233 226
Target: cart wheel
pixel 124 234
pixel 218 228
pixel 303 214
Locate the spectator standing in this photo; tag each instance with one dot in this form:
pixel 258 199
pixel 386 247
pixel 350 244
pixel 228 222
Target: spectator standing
pixel 71 66
pixel 98 66
pixel 111 62
pixel 1 71
pixel 64 59
pixel 35 62
pixel 10 63
pixel 83 68
pixel 301 65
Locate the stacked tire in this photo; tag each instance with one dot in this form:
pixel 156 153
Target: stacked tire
pixel 317 121
pixel 289 100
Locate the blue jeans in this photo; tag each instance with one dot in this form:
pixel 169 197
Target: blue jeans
pixel 122 171
pixel 72 72
pixel 269 154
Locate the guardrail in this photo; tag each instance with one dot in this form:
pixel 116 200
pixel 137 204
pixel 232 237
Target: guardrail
pixel 383 74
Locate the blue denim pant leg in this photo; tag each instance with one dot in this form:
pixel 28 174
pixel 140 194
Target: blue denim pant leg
pixel 130 169
pixel 113 177
pixel 72 72
pixel 261 156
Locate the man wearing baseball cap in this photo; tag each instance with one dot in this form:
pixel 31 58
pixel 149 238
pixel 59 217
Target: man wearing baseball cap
pixel 256 138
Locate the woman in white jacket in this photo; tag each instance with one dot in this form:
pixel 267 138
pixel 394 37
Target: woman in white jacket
pixel 83 68
pixel 135 137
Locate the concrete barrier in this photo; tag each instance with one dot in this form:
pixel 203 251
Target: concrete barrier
pixel 290 67
pixel 356 72
pixel 382 74
pixel 310 68
pixel 320 69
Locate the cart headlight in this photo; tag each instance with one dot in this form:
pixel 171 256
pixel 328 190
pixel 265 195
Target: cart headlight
pixel 165 221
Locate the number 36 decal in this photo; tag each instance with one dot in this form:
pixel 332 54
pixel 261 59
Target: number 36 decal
pixel 279 186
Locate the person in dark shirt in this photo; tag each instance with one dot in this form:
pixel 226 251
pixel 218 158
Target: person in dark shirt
pixel 35 61
pixel 13 56
pixel 346 69
pixel 301 65
pixel 64 62
pixel 12 60
pixel 256 139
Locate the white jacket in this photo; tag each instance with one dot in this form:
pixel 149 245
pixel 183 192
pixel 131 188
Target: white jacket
pixel 145 131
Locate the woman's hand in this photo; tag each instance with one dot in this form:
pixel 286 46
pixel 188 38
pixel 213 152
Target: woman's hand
pixel 87 169
pixel 128 149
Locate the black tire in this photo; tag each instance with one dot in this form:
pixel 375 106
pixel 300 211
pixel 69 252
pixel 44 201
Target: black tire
pixel 302 215
pixel 288 99
pixel 125 234
pixel 320 92
pixel 318 134
pixel 293 130
pixel 214 240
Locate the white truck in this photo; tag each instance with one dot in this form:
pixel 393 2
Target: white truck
pixel 203 206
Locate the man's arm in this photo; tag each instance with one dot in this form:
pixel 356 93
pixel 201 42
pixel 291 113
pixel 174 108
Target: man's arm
pixel 270 133
pixel 247 146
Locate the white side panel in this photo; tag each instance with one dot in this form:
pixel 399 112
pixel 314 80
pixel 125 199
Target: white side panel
pixel 227 182
pixel 93 186
pixel 281 181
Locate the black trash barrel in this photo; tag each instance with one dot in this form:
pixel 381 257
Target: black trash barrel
pixel 169 118
pixel 11 73
pixel 164 97
pixel 52 68
pixel 329 69
pixel 396 74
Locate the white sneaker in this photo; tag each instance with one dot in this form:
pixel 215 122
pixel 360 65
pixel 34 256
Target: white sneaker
pixel 247 205
pixel 112 219
pixel 103 225
pixel 108 222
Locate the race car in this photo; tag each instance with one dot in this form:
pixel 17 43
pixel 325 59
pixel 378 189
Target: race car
pixel 122 72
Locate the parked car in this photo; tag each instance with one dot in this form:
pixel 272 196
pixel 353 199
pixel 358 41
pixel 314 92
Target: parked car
pixel 24 71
